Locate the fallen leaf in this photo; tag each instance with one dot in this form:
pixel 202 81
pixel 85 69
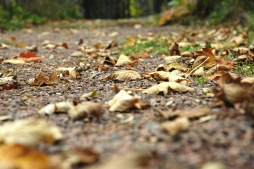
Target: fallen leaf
pixel 122 101
pixel 163 75
pixel 232 90
pixel 174 49
pixel 124 75
pixel 176 126
pixel 29 132
pixel 14 61
pixel 124 60
pixel 56 107
pixel 29 57
pixel 91 94
pixel 16 156
pixel 85 109
pixel 165 86
pixel 8 82
pixel 4 46
pixel 172 59
pixel 42 79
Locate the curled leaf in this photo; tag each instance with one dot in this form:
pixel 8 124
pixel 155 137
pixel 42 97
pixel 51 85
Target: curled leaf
pixel 122 101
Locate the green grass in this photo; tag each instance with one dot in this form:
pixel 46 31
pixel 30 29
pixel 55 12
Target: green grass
pixel 245 69
pixel 156 45
pixel 190 49
pixel 200 80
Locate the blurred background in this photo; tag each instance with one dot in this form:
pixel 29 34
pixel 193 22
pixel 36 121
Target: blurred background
pixel 18 13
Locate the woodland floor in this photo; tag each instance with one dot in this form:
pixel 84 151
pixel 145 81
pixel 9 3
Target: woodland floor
pixel 225 141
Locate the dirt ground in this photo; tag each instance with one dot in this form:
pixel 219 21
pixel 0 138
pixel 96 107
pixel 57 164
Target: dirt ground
pixel 225 141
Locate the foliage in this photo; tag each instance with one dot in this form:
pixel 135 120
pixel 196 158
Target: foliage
pixel 213 11
pixel 16 14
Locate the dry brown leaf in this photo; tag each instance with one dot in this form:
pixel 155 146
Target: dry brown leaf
pixel 29 132
pixel 163 75
pixel 16 156
pixel 165 86
pixel 232 90
pixel 85 109
pixel 123 60
pixel 176 126
pixel 42 79
pixel 174 49
pixel 124 75
pixel 122 101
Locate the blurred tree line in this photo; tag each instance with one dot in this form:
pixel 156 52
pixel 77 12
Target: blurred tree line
pixel 16 13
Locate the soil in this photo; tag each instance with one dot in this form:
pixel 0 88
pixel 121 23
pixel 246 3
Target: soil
pixel 227 139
